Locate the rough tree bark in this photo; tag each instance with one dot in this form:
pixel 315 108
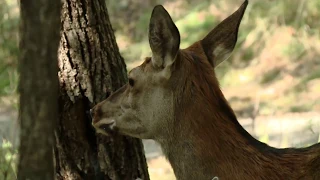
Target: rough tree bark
pixel 90 69
pixel 38 87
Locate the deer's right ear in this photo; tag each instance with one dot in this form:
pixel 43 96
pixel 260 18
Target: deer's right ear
pixel 164 38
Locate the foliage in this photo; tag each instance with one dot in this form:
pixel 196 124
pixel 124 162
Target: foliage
pixel 8 47
pixel 8 160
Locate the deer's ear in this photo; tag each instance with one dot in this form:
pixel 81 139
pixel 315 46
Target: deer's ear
pixel 164 37
pixel 220 42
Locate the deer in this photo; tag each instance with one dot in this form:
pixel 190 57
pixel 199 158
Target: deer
pixel 174 98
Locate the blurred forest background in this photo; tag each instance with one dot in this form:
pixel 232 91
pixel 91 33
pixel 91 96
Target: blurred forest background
pixel 274 70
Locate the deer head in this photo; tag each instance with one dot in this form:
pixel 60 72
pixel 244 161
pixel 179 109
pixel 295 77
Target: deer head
pixel 147 106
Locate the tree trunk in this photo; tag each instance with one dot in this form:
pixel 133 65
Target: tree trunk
pixel 90 69
pixel 38 87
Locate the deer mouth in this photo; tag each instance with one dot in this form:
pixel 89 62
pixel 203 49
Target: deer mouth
pixel 105 126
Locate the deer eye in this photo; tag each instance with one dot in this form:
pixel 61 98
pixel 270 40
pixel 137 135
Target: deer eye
pixel 131 82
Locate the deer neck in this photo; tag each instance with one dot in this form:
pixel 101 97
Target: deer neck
pixel 208 141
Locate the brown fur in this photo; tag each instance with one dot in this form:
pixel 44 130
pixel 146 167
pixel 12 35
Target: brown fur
pixel 176 100
pixel 207 126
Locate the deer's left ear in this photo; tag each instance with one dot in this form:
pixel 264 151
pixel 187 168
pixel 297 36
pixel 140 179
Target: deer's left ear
pixel 220 42
pixel 164 38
